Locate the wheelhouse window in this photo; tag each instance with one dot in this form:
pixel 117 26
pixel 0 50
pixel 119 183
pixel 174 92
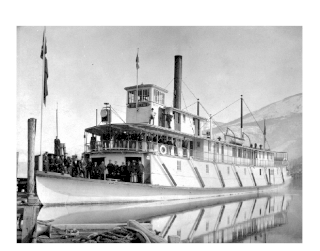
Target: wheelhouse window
pixel 131 97
pixel 158 97
pixel 143 95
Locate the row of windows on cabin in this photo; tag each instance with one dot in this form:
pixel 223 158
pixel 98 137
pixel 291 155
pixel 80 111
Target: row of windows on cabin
pixel 228 169
pixel 236 152
pixel 144 95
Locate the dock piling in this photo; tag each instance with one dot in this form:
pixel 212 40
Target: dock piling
pixel 32 199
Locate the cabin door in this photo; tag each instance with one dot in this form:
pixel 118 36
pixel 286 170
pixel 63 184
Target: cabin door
pixel 161 117
pixel 191 148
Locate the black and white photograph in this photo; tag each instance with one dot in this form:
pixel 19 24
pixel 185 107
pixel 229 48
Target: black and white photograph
pixel 159 133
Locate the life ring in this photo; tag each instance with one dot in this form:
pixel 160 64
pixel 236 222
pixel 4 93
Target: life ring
pixel 163 149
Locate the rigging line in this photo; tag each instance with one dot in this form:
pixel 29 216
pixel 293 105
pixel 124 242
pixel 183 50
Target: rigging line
pixel 188 112
pixel 117 114
pixel 189 90
pixel 225 108
pixel 169 83
pixel 189 105
pixel 255 121
pixel 211 118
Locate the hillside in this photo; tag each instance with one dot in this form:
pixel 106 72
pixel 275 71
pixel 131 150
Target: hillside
pixel 283 123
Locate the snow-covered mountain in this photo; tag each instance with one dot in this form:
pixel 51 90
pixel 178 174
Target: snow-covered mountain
pixel 283 124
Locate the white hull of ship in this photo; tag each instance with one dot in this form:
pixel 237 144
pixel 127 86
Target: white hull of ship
pixel 56 189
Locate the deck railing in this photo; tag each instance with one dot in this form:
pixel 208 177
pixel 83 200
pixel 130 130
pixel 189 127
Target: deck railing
pixel 171 150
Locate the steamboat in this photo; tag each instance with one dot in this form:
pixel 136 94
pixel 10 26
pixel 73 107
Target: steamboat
pixel 181 160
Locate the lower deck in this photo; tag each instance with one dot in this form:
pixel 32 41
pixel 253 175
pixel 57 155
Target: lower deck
pixel 175 171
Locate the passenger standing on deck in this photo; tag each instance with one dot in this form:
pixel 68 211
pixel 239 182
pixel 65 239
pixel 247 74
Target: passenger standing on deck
pixel 89 168
pixel 76 167
pixel 46 162
pixel 140 172
pixel 168 119
pixel 116 173
pixel 63 166
pixel 83 170
pixel 93 143
pixel 123 170
pixel 128 171
pixel 103 171
pixel 152 116
pixel 51 163
pixel 110 168
pixel 95 171
pixel 58 164
pixel 134 169
pixel 69 165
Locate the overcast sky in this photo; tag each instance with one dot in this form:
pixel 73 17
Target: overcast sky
pixel 89 66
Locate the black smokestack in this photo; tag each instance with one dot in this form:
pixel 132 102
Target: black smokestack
pixel 177 81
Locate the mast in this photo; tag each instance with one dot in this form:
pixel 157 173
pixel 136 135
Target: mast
pixel 264 134
pixel 137 66
pixel 241 119
pixel 44 51
pixel 210 126
pixel 198 107
pixel 57 120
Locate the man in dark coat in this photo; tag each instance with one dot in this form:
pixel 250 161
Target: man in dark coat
pixel 123 172
pixel 110 168
pixel 46 162
pixel 51 164
pixel 89 168
pixel 68 164
pixel 140 172
pixel 116 170
pixel 76 167
pixel 95 171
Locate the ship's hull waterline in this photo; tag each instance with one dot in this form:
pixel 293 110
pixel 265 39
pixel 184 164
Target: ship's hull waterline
pixel 56 189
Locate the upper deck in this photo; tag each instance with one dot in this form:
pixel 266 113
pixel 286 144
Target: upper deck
pixel 145 138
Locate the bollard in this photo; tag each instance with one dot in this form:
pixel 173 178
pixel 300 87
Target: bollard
pixel 32 200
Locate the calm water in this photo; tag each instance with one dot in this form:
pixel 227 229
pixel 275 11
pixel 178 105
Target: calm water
pixel 272 218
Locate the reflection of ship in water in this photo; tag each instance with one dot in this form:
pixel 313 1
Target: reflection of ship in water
pixel 242 219
pixel 230 222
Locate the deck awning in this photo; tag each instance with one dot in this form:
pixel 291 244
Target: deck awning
pixel 139 127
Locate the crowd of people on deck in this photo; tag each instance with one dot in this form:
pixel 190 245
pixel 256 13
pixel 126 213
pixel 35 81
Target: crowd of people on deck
pixel 130 138
pixel 132 171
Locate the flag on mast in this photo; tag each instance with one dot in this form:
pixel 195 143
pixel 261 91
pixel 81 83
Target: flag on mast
pixel 264 129
pixel 46 72
pixel 137 61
